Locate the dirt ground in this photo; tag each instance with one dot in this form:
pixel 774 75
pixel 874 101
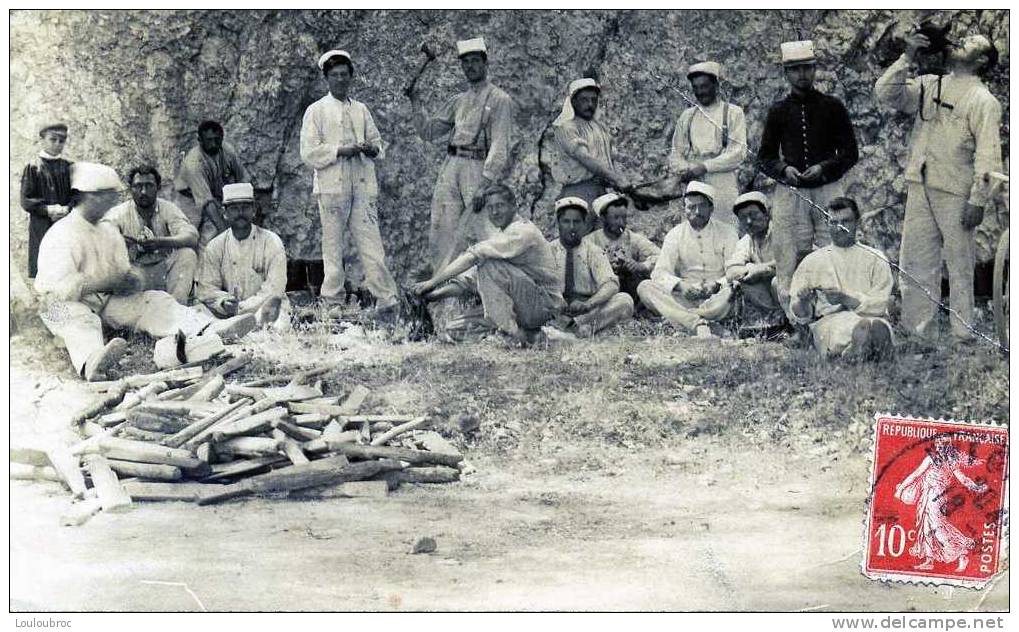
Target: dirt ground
pixel 620 475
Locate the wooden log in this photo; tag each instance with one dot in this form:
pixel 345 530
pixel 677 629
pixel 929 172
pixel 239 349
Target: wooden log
pixel 166 423
pixel 296 432
pixel 205 453
pixel 322 445
pixel 311 420
pixel 145 470
pixel 146 392
pixel 202 424
pixel 437 474
pixel 29 456
pixel 381 426
pixel 288 393
pixel 248 446
pixel 414 424
pixel 112 419
pixel 129 432
pixel 210 390
pixel 332 430
pixel 80 512
pixel 142 452
pixel 68 467
pixel 177 393
pixel 327 471
pixel 355 400
pixel 91 429
pixel 414 457
pixel 185 408
pixel 290 447
pixel 111 495
pixel 222 471
pixel 172 376
pixel 298 377
pixel 434 442
pixel 101 404
pixel 317 408
pixel 241 413
pixel 155 492
pixel 254 424
pixel 25 472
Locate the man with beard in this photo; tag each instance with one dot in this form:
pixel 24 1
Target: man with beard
pixel 842 291
pixel 476 126
pixel 340 141
pixel 632 255
pixel 808 145
pixel 160 240
pixel 244 269
pixel 751 267
pixel 584 165
pixel 688 285
pixel 710 140
pixel 590 288
pixel 955 143
pixel 204 171
pixel 513 272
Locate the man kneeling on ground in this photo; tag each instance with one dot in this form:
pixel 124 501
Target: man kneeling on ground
pixel 842 291
pixel 85 280
pixel 591 289
pixel 632 255
pixel 513 272
pixel 751 267
pixel 688 285
pixel 244 269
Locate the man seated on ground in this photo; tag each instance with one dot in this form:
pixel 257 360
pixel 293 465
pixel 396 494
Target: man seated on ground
pixel 688 285
pixel 160 240
pixel 513 272
pixel 632 255
pixel 590 288
pixel 842 291
pixel 244 269
pixel 751 267
pixel 85 280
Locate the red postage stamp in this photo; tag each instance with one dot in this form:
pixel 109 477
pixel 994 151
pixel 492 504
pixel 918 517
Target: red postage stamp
pixel 938 501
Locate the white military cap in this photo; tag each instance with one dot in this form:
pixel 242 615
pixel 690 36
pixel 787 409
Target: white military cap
pixel 753 197
pixel 699 187
pixel 579 84
pixel 794 53
pixel 571 202
pixel 475 45
pixel 240 192
pixel 333 53
pixel 91 176
pixel 712 68
pixel 602 202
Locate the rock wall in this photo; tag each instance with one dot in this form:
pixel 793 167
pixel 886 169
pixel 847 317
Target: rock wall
pixel 134 84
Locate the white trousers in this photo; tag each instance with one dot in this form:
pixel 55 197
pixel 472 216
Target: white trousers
pixel 356 213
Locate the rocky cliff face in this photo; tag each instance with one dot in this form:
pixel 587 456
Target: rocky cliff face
pixel 134 84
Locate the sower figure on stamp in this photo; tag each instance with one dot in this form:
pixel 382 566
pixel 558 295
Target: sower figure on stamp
pixel 514 273
pixel 244 269
pixel 583 165
pixel 204 171
pixel 688 285
pixel 590 287
pixel 45 188
pixel 808 144
pixel 631 254
pixel 760 302
pixel 842 291
pixel 955 142
pixel 710 140
pixel 160 240
pixel 476 126
pixel 86 280
pixel 340 141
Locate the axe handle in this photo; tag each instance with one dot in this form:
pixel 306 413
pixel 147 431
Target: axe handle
pixel 409 90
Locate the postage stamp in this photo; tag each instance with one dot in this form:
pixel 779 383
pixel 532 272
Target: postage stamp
pixel 938 501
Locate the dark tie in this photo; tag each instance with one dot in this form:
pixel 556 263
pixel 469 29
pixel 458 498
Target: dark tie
pixel 569 291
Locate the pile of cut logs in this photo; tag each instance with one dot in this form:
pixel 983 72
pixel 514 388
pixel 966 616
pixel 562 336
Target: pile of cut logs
pixel 188 434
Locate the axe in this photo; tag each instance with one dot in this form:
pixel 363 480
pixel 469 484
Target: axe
pixel 429 58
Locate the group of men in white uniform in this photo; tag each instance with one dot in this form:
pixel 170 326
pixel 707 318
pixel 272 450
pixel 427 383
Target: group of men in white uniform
pixel 134 265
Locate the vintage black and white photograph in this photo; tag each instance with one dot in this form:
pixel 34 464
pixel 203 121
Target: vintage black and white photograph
pixel 492 310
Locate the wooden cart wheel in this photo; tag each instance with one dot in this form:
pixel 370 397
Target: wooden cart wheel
pixel 999 303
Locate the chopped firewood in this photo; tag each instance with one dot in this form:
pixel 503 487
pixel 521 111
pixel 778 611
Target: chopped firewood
pixel 25 472
pixel 111 495
pixel 193 408
pixel 316 408
pixel 166 423
pixel 152 492
pixel 29 456
pixel 131 432
pixel 210 390
pixel 147 392
pixel 290 447
pixel 354 400
pixel 254 424
pixel 205 453
pixel 248 446
pixel 332 429
pixel 199 471
pixel 222 471
pixel 327 471
pixel 373 419
pixel 241 413
pixel 204 423
pixel 414 457
pixel 91 429
pixel 177 393
pixel 68 467
pixel 143 452
pixel 311 420
pixel 322 445
pixel 434 442
pixel 385 437
pixel 101 404
pixel 112 419
pixel 173 376
pixel 299 377
pixel 80 512
pixel 381 426
pixel 145 470
pixel 437 474
pixel 297 432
